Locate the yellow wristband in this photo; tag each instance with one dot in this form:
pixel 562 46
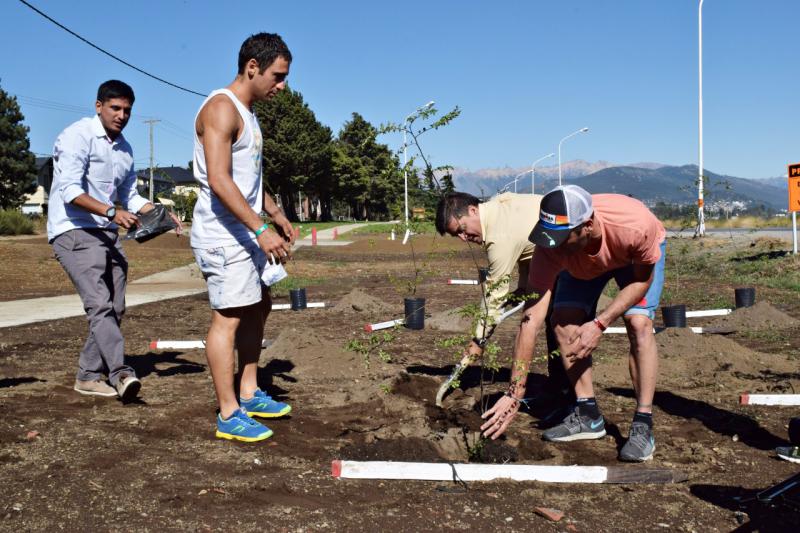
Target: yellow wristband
pixel 262 229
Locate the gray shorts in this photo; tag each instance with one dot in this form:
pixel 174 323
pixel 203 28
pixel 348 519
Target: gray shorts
pixel 235 274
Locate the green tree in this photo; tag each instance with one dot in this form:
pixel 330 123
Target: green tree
pixel 297 152
pixel 367 174
pixel 17 162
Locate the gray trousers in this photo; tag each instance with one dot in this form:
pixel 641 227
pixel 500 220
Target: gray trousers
pixel 97 266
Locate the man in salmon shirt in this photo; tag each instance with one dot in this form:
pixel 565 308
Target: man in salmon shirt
pixel 584 241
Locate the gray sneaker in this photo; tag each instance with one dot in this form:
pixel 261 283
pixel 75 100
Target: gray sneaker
pixel 576 427
pixel 94 388
pixel 128 387
pixel 641 444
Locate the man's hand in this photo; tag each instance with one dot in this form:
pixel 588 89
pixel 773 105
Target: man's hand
pixel 126 219
pixel 501 413
pixel 177 221
pixel 515 297
pixel 277 249
pixel 146 208
pixel 584 341
pixel 471 353
pixel 284 227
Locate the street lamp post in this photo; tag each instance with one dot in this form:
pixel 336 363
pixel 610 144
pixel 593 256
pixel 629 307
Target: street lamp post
pixel 582 130
pixel 405 155
pixel 701 222
pixel 533 171
pixel 517 177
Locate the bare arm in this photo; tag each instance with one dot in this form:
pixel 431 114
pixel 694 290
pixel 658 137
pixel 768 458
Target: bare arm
pixel 630 295
pixel 124 218
pixel 586 338
pixel 278 218
pixel 218 127
pixel 505 409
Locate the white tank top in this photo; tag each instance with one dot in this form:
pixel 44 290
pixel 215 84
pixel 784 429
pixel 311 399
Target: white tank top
pixel 212 224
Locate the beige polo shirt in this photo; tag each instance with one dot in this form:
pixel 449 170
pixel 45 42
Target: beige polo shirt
pixel 506 222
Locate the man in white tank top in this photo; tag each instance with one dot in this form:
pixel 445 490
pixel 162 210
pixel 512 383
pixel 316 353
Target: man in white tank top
pixel 239 254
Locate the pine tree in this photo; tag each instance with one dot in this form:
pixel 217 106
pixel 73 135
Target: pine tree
pixel 17 162
pixel 297 152
pixel 367 174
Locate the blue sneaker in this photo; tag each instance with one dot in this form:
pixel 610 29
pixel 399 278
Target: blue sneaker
pixel 241 427
pixel 264 406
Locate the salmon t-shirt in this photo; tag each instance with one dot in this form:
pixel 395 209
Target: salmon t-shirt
pixel 631 234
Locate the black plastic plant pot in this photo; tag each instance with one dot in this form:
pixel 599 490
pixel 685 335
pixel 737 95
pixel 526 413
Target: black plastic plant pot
pixel 745 297
pixel 674 316
pixel 483 273
pixel 298 297
pixel 415 313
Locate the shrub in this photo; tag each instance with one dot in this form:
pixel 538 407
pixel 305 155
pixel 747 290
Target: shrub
pixel 13 222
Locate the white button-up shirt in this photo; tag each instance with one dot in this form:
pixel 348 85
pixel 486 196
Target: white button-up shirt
pixel 85 160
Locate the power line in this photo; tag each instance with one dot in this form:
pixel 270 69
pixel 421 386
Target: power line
pixel 49 104
pixel 109 54
pixel 168 126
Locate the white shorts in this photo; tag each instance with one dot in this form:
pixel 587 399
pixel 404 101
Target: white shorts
pixel 235 274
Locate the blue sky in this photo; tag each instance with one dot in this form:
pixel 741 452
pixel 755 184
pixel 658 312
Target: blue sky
pixel 525 73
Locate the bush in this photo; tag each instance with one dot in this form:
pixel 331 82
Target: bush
pixel 13 222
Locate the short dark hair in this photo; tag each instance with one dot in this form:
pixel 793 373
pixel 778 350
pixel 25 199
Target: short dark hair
pixel 265 48
pixel 114 89
pixel 453 205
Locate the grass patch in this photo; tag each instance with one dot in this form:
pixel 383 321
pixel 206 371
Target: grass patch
pixel 399 228
pixel 697 270
pixel 744 222
pixel 13 222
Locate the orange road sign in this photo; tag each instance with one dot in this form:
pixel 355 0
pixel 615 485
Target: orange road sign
pixel 794 187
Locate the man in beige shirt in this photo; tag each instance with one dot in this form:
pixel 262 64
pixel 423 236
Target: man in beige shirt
pixel 501 226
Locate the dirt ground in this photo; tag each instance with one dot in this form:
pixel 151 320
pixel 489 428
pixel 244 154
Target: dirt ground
pixel 71 463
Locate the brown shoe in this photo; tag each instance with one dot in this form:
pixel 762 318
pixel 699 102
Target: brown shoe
pixel 128 387
pixel 95 388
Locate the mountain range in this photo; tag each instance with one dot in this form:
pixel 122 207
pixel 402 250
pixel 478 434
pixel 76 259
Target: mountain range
pixel 649 182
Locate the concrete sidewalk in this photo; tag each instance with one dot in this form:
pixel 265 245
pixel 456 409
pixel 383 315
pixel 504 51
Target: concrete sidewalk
pixel 325 236
pixel 181 281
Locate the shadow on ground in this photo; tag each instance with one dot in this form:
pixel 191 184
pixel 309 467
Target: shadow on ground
pixel 720 421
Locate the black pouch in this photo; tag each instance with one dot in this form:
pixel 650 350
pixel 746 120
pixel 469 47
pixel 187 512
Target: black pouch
pixel 153 223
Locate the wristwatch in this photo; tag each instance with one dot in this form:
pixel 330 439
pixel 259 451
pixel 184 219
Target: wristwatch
pixel 111 212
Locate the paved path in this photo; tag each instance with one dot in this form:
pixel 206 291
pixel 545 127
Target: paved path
pixel 325 236
pixel 181 281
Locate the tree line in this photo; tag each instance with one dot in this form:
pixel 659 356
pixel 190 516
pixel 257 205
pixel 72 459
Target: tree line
pixel 350 173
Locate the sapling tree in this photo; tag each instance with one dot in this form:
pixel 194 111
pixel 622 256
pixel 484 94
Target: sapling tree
pixel 430 190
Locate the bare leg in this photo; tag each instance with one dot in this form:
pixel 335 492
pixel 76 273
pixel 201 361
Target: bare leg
pixel 643 361
pixel 219 352
pixel 248 343
pixel 579 371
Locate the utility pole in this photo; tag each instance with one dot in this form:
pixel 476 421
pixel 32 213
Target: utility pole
pixel 151 122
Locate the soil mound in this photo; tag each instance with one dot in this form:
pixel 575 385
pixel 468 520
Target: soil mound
pixel 309 353
pixel 762 315
pixel 359 301
pixel 449 320
pixel 687 358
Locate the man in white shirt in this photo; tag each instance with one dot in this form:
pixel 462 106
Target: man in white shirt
pixel 239 254
pixel 92 171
